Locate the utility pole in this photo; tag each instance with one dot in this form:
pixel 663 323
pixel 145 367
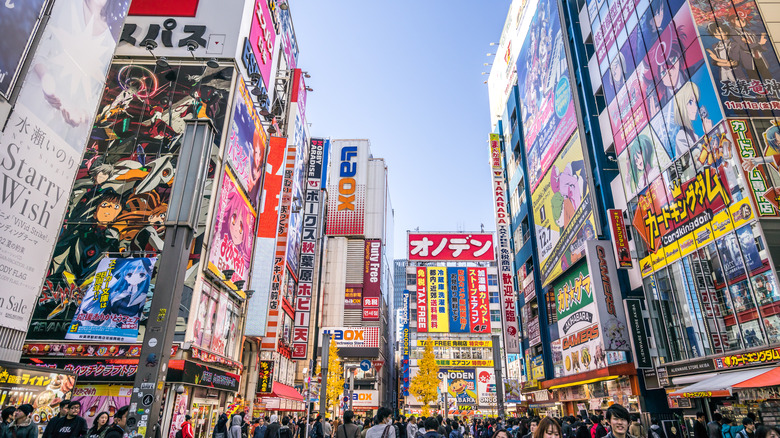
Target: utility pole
pixel 180 224
pixel 499 377
pixel 324 369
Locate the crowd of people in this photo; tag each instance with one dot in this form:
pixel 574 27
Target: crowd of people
pixel 18 423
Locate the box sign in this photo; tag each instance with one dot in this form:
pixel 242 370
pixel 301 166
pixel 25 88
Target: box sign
pixel 472 344
pixel 347 191
pixel 451 247
pixel 362 398
pixel 372 271
pixel 747 359
pixel 361 337
pixel 620 238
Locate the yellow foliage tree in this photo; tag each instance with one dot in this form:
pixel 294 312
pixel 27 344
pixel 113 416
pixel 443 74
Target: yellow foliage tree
pixel 335 377
pixel 425 384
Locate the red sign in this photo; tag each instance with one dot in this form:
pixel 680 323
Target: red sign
pixel 470 247
pixel 378 364
pixel 372 269
pixel 663 217
pixel 620 238
pixel 422 302
pixel 179 8
pixel 272 185
pixel 479 303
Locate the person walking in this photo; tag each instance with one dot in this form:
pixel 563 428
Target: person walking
pixel 411 427
pixel 117 429
pixel 327 429
pixel 72 425
pixel 7 419
pixel 636 429
pixel 618 419
pixel 348 429
pixel 221 428
pixel 99 426
pixel 700 426
pixel 714 427
pixel 431 428
pixel 655 429
pixel 260 429
pixel 52 425
pixel 186 427
pixel 383 427
pixel 366 427
pixel 750 429
pixel 284 429
pixel 235 427
pixel 23 427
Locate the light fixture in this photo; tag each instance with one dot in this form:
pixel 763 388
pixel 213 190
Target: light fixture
pixel 306 75
pixel 249 293
pixel 213 63
pixel 228 273
pixel 192 45
pixel 257 90
pixel 239 284
pixel 149 44
pixel 162 62
pixel 271 129
pixel 309 88
pixel 283 5
pixel 489 54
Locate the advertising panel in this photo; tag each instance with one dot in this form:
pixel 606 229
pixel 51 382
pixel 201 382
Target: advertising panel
pixel 18 21
pixel 583 351
pixel 459 300
pixel 574 300
pixel 361 337
pixel 563 213
pixel 234 232
pixel 464 362
pixel 547 105
pixel 534 332
pixel 620 238
pixel 640 344
pixel 465 247
pixel 272 187
pixel 760 173
pixel 606 294
pixel 353 296
pixel 246 143
pixel 262 38
pixel 438 319
pixel 471 344
pixel 347 191
pixel 186 371
pixel 95 399
pixel 486 386
pixel 298 138
pixel 479 302
pixel 372 270
pixel 511 331
pixel 365 398
pixel 422 301
pixel 42 388
pixel 405 343
pixel 265 382
pixel 181 8
pixel 111 308
pixel 461 385
pixel 46 135
pixel 120 197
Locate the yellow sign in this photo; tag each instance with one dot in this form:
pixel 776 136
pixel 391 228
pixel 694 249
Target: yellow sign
pixel 473 344
pixel 438 319
pixel 464 363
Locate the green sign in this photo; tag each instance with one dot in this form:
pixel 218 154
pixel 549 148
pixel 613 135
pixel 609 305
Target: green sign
pixel 573 291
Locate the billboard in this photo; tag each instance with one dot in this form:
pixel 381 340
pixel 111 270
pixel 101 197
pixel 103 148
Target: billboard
pixel 438 319
pixel 583 351
pixel 298 138
pixel 360 337
pixel 112 306
pixel 347 190
pixel 461 385
pixel 759 162
pixel 372 272
pixel 422 301
pixel 606 294
pixel 486 387
pixel 262 38
pixel 234 232
pixel 353 296
pixel 265 381
pixel 545 91
pixel 272 187
pixel 119 199
pixel 563 213
pixel 365 398
pixel 45 136
pixel 406 343
pixel 458 296
pixel 479 301
pixel 95 399
pixel 464 247
pixel 620 238
pixel 41 387
pixel 246 143
pixel 574 305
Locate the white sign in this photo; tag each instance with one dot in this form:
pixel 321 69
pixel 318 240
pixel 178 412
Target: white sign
pixel 365 337
pixel 365 398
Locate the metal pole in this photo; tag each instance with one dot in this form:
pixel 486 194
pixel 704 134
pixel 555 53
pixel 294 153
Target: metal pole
pixel 499 377
pixel 351 386
pixel 446 404
pixel 183 212
pixel 324 369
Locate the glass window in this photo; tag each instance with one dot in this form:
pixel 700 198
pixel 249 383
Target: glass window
pixel 492 280
pixel 651 296
pixel 711 261
pixel 685 307
pixel 495 315
pixel 668 311
pixel 411 279
pixel 711 303
pixel 494 297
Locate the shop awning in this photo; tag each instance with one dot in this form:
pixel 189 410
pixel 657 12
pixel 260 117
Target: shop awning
pixel 283 391
pixel 768 378
pixel 718 386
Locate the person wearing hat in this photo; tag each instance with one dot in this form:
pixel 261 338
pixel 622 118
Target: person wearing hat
pixel 186 427
pixel 23 426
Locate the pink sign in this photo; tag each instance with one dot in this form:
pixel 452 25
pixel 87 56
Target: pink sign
pixel 452 246
pixel 262 37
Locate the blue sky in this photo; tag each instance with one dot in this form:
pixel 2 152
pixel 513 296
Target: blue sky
pixel 406 75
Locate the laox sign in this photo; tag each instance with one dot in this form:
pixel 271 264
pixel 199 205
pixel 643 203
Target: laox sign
pixel 346 335
pixel 347 183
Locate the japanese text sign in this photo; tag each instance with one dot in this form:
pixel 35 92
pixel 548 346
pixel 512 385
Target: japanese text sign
pixel 451 246
pixel 422 302
pixel 437 300
pixel 479 307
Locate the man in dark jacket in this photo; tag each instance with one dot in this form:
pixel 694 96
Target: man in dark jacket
pixel 273 428
pixel 53 423
pixel 72 426
pixel 714 428
pixel 699 426
pixel 431 428
pixel 117 430
pixel 260 429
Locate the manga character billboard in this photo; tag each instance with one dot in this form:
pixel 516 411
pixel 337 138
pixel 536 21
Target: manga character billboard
pixel 111 307
pixel 234 232
pixel 95 399
pixel 246 143
pixel 547 105
pixel 18 21
pixel 119 200
pixel 563 213
pixel 461 384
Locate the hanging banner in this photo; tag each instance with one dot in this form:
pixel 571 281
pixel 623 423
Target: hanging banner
pixel 640 344
pixel 606 294
pixel 372 270
pixel 112 306
pixel 406 343
pixel 459 300
pixel 620 238
pixel 479 302
pixel 265 382
pixel 437 300
pixel 422 301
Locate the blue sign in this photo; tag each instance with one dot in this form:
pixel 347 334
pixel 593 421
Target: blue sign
pixel 365 365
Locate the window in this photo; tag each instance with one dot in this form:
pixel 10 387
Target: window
pixel 494 297
pixel 492 280
pixel 495 315
pixel 411 279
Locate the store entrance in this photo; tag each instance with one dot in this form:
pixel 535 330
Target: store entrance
pixel 204 417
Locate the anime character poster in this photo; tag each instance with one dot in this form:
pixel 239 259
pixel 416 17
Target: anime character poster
pixel 247 143
pixel 119 200
pixel 234 232
pixel 111 307
pixel 97 399
pixel 461 385
pixel 563 212
pixel 547 105
pixel 741 56
pixel 18 21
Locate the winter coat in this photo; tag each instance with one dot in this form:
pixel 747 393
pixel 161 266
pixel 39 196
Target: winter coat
pixel 235 427
pixel 115 432
pixel 378 431
pixel 28 429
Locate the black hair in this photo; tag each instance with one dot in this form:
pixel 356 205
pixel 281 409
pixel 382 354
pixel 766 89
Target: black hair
pixel 121 412
pixel 64 404
pixel 747 420
pixel 717 416
pixel 382 414
pixel 348 416
pixel 285 420
pixel 74 403
pixel 431 423
pixel 7 412
pixel 699 414
pixel 618 411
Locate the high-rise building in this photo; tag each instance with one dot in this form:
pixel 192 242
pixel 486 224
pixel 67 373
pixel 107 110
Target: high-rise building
pixel 641 137
pixel 399 283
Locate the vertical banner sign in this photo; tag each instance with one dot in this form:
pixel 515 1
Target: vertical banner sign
pixel 504 257
pixel 265 382
pixel 422 301
pixel 606 294
pixel 437 300
pixel 272 325
pixel 636 322
pixel 620 238
pixel 459 300
pixel 372 268
pixel 309 235
pixel 247 142
pixel 262 38
pixel 406 341
pixel 347 193
pixel 479 303
pixel 46 135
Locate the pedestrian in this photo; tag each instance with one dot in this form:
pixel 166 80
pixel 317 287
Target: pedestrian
pixel 52 425
pixel 431 428
pixel 547 428
pixel 117 430
pixel 7 419
pixel 636 429
pixel 186 427
pixel 768 432
pixel 244 426
pixel 582 430
pixel 366 426
pixel 273 427
pixel 383 427
pixel 501 433
pixel 317 430
pixel 750 429
pixel 655 429
pixel 532 426
pixel 235 427
pixel 566 429
pixel 411 427
pixel 260 429
pixel 714 427
pixel 455 431
pixel 700 426
pixel 72 425
pixel 348 429
pixel 23 427
pixel 327 429
pixel 99 426
pixel 284 429
pixel 618 419
pixel 220 429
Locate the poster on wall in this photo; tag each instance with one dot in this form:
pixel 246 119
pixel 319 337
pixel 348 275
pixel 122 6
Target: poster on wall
pixel 486 386
pixel 759 159
pixel 41 387
pixel 19 21
pixel 563 213
pixel 574 304
pixel 262 38
pixel 95 399
pixel 46 135
pixel 234 232
pixel 246 143
pixel 547 105
pixel 583 351
pixel 461 385
pixel 112 306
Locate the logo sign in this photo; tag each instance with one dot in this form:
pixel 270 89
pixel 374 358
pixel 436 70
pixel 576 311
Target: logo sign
pixel 574 299
pixel 606 294
pixel 372 268
pixel 365 365
pixel 451 247
pixel 365 337
pixel 362 398
pixel 265 384
pixel 506 275
pixel 620 238
pixel 636 322
pixel 346 203
pixel 745 359
pixel 422 301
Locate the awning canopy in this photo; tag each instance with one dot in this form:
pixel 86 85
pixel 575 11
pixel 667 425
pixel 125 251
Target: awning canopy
pixel 718 386
pixel 768 378
pixel 283 391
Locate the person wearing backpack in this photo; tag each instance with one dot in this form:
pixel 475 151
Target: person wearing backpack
pixel 382 428
pixel 348 429
pixel 655 429
pixel 729 429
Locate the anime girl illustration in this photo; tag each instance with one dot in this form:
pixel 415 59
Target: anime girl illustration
pixel 642 168
pixel 234 233
pixel 568 188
